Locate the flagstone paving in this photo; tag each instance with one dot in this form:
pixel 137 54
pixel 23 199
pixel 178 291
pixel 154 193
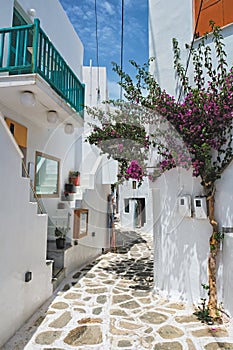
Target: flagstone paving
pixel 110 304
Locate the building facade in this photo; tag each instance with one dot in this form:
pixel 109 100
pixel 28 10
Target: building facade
pixel 43 90
pixel 182 243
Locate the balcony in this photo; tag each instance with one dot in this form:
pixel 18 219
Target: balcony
pixel 29 61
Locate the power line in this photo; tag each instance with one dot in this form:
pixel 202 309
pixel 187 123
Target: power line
pixel 122 41
pixel 97 51
pixel 191 47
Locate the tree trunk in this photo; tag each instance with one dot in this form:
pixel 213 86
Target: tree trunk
pixel 212 262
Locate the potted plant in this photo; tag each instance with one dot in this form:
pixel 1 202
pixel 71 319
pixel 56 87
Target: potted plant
pixel 60 234
pixel 74 178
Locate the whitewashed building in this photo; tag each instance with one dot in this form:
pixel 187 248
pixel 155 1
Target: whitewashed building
pixel 135 205
pixel 181 243
pixel 43 88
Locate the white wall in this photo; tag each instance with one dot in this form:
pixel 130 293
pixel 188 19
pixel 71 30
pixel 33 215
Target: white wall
pixel 228 272
pixel 224 198
pixel 95 77
pixel 79 255
pixel 23 244
pixel 55 24
pixel 109 170
pixel 224 215
pixel 54 142
pixel 168 19
pixel 95 199
pixel 181 244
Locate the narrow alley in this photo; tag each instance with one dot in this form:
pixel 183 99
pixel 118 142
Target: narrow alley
pixel 109 304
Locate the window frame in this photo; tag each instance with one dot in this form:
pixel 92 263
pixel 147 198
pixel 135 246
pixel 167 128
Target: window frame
pixel 80 219
pixel 47 195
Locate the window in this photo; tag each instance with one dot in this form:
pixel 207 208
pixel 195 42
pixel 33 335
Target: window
pixel 126 201
pixel 80 223
pixel 220 11
pixel 46 175
pixel 18 19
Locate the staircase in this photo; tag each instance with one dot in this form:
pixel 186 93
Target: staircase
pixel 24 242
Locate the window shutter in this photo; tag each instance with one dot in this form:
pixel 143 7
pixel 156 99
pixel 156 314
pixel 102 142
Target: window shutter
pixel 220 11
pixel 227 11
pixel 211 10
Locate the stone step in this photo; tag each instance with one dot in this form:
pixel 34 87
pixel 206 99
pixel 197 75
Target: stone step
pixel 58 277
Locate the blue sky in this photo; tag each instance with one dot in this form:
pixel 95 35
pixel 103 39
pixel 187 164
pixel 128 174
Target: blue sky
pixel 82 15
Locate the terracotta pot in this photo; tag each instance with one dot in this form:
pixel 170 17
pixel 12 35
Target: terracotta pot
pixel 75 180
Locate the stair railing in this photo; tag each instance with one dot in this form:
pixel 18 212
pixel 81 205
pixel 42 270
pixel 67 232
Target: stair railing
pixel 42 211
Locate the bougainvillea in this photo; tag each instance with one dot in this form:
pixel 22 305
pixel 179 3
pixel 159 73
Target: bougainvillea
pixel 124 141
pixel 194 131
pixel 134 171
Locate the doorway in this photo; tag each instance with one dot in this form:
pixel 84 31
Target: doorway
pixel 20 134
pixel 139 212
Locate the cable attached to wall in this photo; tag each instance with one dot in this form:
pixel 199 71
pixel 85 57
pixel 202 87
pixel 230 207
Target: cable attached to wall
pixel 97 52
pixel 191 47
pixel 122 41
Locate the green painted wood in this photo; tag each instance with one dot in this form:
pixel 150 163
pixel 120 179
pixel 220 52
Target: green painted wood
pixel 15 70
pixel 25 47
pixel 17 47
pixel 35 44
pixel 9 50
pixel 2 42
pixel 12 29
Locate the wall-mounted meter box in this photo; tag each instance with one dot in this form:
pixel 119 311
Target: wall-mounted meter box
pixel 184 206
pixel 200 207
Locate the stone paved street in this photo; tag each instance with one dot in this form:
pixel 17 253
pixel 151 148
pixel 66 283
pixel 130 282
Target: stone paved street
pixel 109 304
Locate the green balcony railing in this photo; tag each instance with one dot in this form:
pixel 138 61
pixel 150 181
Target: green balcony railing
pixel 27 49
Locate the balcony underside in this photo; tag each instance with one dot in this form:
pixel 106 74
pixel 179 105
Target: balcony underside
pixel 46 99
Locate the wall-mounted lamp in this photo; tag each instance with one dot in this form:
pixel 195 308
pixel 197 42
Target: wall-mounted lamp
pixel 27 98
pixel 28 276
pixel 32 12
pixel 134 185
pixel 52 116
pixel 69 128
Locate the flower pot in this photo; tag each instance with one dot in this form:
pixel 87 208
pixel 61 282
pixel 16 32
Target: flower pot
pixel 60 243
pixel 69 188
pixel 75 180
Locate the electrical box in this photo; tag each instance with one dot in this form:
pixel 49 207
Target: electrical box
pixel 200 207
pixel 184 206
